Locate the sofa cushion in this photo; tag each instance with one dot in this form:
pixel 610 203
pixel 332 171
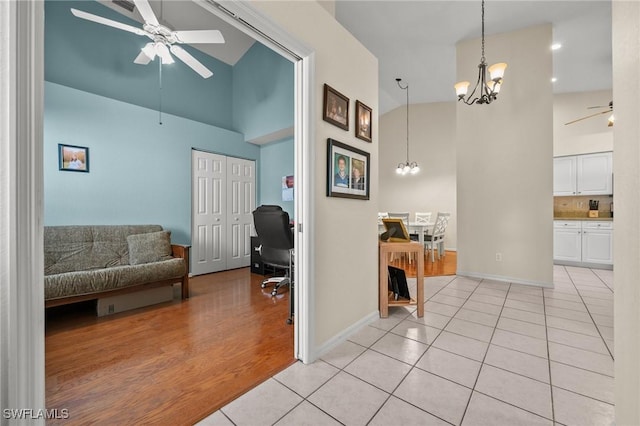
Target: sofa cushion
pixel 149 247
pixel 88 247
pixel 87 282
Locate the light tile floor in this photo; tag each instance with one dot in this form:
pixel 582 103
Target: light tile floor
pixel 485 353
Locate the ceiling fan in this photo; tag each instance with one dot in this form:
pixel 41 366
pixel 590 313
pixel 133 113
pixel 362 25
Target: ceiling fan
pixel 164 40
pixel 609 109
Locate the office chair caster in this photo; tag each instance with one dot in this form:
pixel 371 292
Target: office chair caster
pixel 274 292
pixel 263 285
pixel 289 321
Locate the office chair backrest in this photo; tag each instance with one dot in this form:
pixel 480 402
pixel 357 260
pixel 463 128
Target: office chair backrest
pixel 272 227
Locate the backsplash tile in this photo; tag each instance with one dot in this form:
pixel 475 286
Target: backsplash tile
pixel 578 206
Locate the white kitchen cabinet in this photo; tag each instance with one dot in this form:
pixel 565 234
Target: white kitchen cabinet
pixel 597 242
pixel 589 174
pixel 588 242
pixel 565 174
pixel 567 241
pixel 595 174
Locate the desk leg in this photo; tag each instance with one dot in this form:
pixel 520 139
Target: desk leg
pixel 383 304
pixel 420 283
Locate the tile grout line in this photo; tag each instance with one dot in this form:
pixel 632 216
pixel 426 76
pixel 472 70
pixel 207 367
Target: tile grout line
pixel 482 364
pixel 589 312
pixel 546 332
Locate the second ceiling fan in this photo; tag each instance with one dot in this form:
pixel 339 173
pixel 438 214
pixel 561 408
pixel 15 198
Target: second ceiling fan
pixel 164 40
pixel 609 109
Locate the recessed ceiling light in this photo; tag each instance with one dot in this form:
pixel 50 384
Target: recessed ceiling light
pixel 553 79
pixel 556 46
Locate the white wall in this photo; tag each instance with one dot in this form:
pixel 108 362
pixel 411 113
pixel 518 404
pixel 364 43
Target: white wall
pixel 591 135
pixel 626 167
pixel 345 247
pixel 504 173
pixel 432 144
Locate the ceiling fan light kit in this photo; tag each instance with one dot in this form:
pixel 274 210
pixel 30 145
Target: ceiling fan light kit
pixel 408 167
pixel 165 41
pixel 485 90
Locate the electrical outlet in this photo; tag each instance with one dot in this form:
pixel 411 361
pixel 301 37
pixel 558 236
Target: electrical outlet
pixel 498 257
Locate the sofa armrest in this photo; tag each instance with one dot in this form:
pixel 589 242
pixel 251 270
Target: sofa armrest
pixel 182 251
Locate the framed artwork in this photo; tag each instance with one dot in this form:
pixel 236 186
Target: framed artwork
pixel 363 121
pixel 396 229
pixel 336 108
pixel 347 171
pixel 73 158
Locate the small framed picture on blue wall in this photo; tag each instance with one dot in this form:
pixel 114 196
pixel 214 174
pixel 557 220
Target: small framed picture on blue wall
pixel 73 158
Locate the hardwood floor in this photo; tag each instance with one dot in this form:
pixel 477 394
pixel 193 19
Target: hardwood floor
pixel 445 266
pixel 173 363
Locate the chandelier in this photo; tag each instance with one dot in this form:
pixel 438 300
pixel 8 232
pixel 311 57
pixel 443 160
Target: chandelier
pixel 487 90
pixel 408 167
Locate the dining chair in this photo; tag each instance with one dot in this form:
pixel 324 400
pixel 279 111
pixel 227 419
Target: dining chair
pixel 403 216
pixel 435 239
pixel 382 215
pixel 423 218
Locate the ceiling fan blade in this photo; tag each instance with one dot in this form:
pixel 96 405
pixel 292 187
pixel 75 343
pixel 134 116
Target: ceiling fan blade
pixel 147 54
pixel 105 21
pixel 588 116
pixel 146 12
pixel 192 62
pixel 199 36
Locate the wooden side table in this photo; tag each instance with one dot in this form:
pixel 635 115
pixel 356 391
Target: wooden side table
pixel 386 298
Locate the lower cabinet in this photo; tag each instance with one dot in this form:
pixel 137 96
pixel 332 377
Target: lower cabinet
pixel 589 242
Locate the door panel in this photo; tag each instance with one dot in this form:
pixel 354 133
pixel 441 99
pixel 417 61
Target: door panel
pixel 241 198
pixel 209 199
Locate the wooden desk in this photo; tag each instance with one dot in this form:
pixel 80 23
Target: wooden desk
pixel 385 298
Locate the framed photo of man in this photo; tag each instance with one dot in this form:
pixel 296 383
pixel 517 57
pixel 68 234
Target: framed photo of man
pixel 347 171
pixel 336 108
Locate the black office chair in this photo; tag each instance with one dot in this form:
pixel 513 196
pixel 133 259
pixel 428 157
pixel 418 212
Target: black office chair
pixel 276 246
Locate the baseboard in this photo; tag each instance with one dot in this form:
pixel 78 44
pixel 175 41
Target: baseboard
pixel 504 279
pixel 583 264
pixel 341 337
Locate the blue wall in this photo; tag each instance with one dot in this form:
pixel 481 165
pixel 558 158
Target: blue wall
pixel 263 93
pixel 140 171
pixel 99 59
pixel 276 161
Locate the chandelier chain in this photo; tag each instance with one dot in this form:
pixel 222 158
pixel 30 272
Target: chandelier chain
pixel 482 59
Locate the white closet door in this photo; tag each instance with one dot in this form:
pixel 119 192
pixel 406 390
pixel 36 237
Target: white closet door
pixel 241 201
pixel 209 195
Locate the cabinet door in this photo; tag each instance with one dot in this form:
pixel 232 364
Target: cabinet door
pixel 595 174
pixel 564 175
pixel 597 246
pixel 567 245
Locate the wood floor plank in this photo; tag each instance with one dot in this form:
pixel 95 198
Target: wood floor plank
pixel 446 265
pixel 173 363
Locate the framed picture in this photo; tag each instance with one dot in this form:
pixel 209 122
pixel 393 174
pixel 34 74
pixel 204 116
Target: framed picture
pixel 363 121
pixel 347 171
pixel 336 108
pixel 73 158
pixel 396 229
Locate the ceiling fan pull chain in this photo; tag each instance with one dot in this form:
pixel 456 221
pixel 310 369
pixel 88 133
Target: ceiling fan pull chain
pixel 160 91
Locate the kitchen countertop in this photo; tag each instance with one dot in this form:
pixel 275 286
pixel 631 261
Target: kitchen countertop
pixel 603 219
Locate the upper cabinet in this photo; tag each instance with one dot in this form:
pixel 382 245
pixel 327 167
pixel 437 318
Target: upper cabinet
pixel 590 174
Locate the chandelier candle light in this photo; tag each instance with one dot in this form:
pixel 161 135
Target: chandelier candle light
pixel 408 167
pixel 487 89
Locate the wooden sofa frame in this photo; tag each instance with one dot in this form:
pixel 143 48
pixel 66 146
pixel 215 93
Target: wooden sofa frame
pixel 177 250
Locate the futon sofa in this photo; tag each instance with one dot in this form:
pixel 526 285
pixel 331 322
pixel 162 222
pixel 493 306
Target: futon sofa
pixel 89 262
